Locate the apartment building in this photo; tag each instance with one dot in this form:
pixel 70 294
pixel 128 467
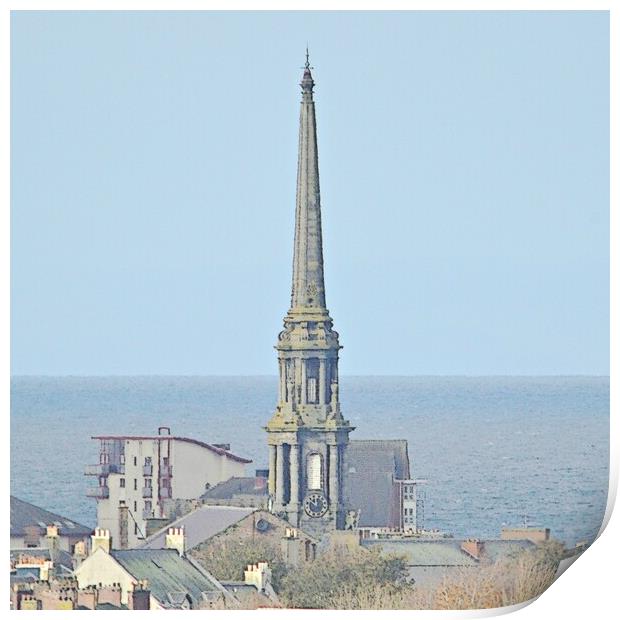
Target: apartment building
pixel 137 475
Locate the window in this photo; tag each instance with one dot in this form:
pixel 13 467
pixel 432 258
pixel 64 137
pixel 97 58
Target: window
pixel 312 391
pixel 147 483
pixel 122 483
pixel 135 506
pixel 312 380
pixel 135 461
pixel 314 471
pixel 135 528
pixel 148 461
pixel 148 505
pixel 135 484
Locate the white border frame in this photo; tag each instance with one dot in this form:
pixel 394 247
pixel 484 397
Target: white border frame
pixel 588 588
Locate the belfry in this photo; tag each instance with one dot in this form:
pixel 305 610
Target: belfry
pixel 307 434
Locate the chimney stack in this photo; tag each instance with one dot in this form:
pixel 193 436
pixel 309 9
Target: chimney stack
pixel 52 531
pixel 473 547
pixel 140 597
pixel 261 478
pixel 101 538
pixel 175 539
pixel 87 597
pixel 111 594
pixel 258 575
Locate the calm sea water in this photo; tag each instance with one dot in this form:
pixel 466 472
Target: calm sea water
pixel 492 449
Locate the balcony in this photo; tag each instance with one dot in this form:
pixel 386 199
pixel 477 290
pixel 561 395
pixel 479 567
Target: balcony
pixel 147 514
pixel 147 470
pixel 98 492
pixel 165 493
pixel 103 469
pixel 165 471
pixel 147 491
pixel 100 469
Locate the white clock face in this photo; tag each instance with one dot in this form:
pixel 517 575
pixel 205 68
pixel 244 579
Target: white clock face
pixel 315 505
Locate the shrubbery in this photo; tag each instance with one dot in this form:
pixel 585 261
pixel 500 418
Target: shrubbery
pixel 343 572
pixel 368 579
pixel 227 559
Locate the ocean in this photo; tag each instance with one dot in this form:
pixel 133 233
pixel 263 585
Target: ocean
pixel 495 451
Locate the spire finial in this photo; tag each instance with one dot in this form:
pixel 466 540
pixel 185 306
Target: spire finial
pixel 307 83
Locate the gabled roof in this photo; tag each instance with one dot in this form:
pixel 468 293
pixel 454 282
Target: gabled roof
pixel 200 525
pixel 370 466
pixel 25 514
pixel 169 575
pixel 236 485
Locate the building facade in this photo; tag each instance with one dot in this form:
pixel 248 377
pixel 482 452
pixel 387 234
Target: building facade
pixel 307 434
pixel 139 476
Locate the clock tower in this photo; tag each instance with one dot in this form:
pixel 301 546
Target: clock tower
pixel 307 434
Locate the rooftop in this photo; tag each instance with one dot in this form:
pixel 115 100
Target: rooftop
pixel 235 486
pixel 370 466
pixel 197 442
pixel 200 525
pixel 447 552
pixel 24 514
pixel 170 576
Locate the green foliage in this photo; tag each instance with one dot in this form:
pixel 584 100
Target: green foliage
pixel 227 559
pixel 322 584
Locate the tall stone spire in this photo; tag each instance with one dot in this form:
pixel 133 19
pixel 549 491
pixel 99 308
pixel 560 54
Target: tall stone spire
pixel 307 434
pixel 308 346
pixel 308 290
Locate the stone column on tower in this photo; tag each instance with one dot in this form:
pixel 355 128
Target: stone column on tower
pixel 279 499
pixel 294 459
pixel 272 471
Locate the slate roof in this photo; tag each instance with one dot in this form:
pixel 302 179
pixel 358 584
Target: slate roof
pixel 447 552
pixel 443 552
pixel 169 575
pixel 200 525
pixel 26 577
pixel 25 514
pixel 234 486
pixel 62 558
pixel 370 466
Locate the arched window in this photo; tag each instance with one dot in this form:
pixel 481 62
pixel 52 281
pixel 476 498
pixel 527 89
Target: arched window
pixel 315 472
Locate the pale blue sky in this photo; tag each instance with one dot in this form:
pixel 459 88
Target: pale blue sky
pixel 464 163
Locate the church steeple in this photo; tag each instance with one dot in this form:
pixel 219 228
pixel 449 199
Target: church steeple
pixel 308 346
pixel 307 434
pixel 308 290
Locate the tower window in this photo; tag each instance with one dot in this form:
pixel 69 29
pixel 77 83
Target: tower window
pixel 312 381
pixel 315 472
